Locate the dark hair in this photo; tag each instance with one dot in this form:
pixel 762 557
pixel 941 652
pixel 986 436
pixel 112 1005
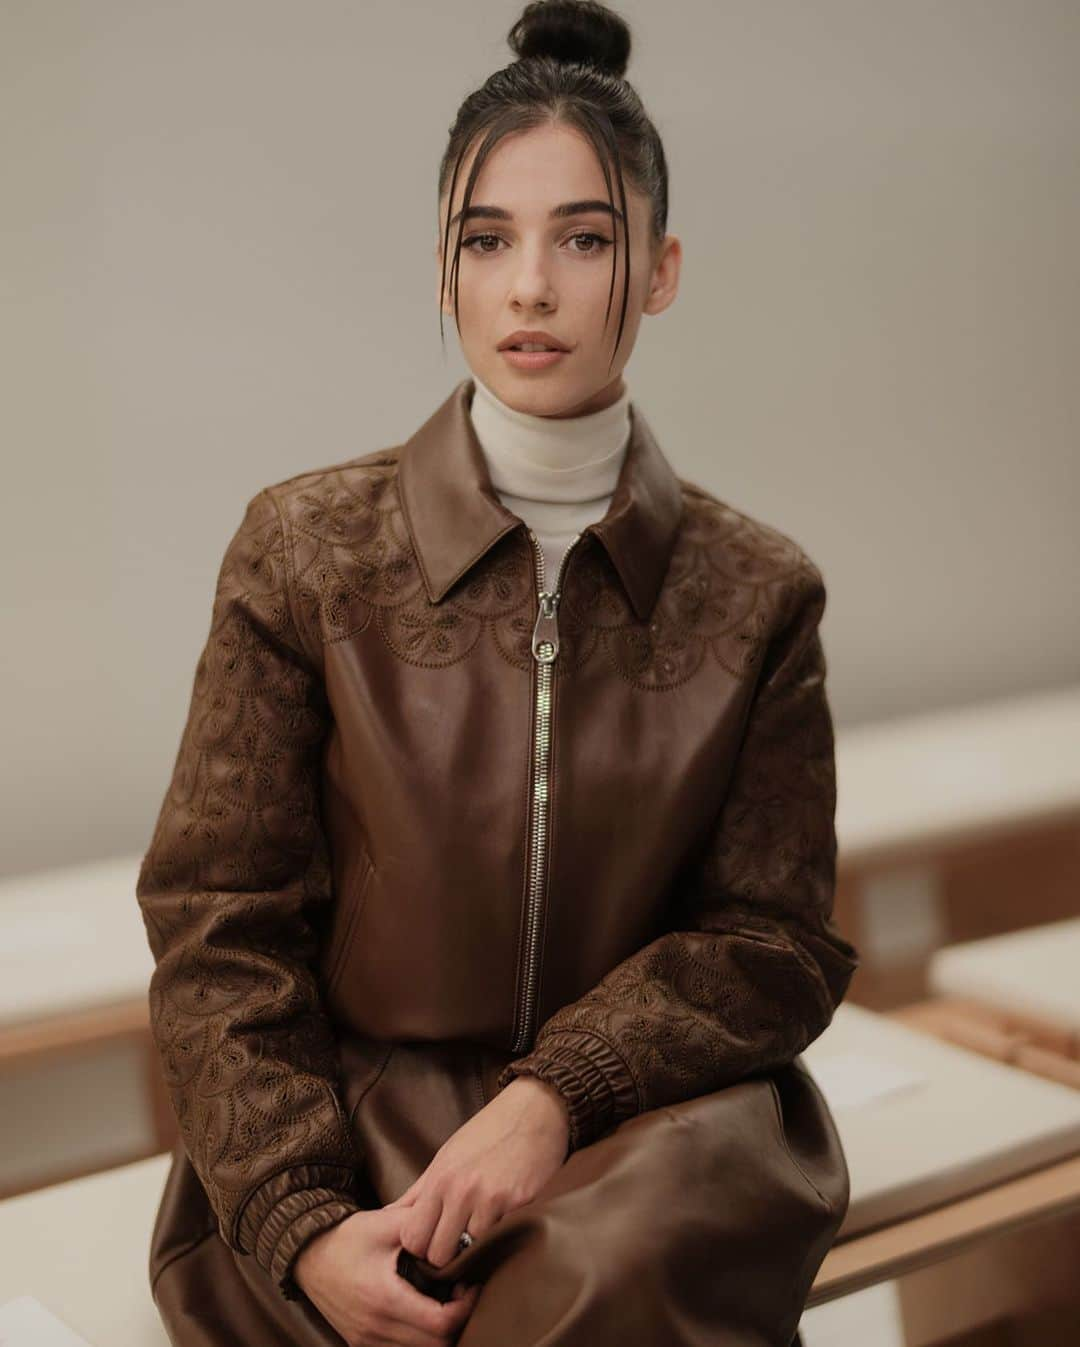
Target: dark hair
pixel 572 55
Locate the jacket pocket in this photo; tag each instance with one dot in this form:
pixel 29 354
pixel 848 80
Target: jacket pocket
pixel 363 1061
pixel 808 1135
pixel 354 900
pixel 184 1216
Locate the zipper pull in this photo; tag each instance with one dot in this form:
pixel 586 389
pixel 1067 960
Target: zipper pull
pixel 545 641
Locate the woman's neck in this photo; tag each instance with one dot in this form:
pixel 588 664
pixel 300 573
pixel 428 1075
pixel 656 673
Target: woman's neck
pixel 547 458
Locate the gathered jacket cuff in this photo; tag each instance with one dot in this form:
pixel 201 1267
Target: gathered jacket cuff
pixel 288 1211
pixel 599 1090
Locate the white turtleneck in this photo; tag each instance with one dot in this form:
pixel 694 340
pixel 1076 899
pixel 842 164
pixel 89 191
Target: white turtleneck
pixel 556 473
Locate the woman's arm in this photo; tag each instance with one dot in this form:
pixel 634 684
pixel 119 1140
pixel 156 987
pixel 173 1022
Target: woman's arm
pixel 756 968
pixel 236 867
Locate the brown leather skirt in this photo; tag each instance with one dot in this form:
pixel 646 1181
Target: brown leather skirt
pixel 699 1225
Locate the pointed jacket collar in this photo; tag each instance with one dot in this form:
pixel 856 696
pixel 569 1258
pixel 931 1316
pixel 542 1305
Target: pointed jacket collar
pixel 454 515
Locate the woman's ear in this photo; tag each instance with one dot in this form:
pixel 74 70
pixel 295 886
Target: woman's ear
pixel 664 285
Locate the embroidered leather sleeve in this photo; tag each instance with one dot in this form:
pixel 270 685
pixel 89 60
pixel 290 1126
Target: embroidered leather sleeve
pixel 755 969
pixel 236 868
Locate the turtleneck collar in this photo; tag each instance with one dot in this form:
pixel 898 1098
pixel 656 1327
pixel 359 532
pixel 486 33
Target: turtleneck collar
pixel 552 458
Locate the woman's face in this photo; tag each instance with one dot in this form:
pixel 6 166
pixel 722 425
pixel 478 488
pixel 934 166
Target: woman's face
pixel 522 267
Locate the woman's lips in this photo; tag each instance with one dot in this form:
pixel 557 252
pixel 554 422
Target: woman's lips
pixel 532 359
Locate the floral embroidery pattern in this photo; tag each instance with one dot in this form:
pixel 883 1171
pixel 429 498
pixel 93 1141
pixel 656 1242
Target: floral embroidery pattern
pixel 236 863
pixel 355 567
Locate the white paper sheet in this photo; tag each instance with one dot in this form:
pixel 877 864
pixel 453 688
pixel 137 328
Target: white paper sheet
pixel 855 1079
pixel 26 1322
pixel 871 1316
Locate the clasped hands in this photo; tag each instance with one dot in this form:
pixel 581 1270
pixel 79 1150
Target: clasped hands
pixel 495 1162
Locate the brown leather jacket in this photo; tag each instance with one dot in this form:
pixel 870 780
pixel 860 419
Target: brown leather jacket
pixel 415 801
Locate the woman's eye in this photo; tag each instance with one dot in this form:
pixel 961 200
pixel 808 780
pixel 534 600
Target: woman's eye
pixel 599 243
pixel 479 238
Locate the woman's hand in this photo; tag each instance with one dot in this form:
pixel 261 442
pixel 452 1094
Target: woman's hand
pixel 350 1275
pixel 495 1162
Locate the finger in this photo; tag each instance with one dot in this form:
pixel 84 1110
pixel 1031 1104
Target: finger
pixel 390 1230
pixel 418 1223
pixel 444 1242
pixel 408 1318
pixel 399 1333
pixel 421 1314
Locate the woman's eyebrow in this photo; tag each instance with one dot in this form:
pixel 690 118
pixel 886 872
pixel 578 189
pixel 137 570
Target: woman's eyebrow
pixel 556 212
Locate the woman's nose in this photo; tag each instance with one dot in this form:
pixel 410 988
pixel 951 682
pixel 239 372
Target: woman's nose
pixel 532 284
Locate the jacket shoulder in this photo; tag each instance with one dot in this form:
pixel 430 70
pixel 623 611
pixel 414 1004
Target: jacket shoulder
pixel 375 463
pixel 337 501
pixel 755 547
pixel 334 490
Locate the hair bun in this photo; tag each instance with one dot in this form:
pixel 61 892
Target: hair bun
pixel 581 31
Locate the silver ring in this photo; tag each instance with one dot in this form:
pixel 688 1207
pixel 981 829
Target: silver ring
pixel 464 1240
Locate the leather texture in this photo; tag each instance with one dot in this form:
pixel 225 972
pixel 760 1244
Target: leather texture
pixel 384 881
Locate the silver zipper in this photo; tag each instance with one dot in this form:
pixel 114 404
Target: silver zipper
pixel 545 649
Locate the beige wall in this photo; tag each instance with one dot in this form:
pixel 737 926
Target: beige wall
pixel 216 224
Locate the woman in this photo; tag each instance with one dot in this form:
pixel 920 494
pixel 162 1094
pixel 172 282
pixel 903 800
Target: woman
pixel 491 895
